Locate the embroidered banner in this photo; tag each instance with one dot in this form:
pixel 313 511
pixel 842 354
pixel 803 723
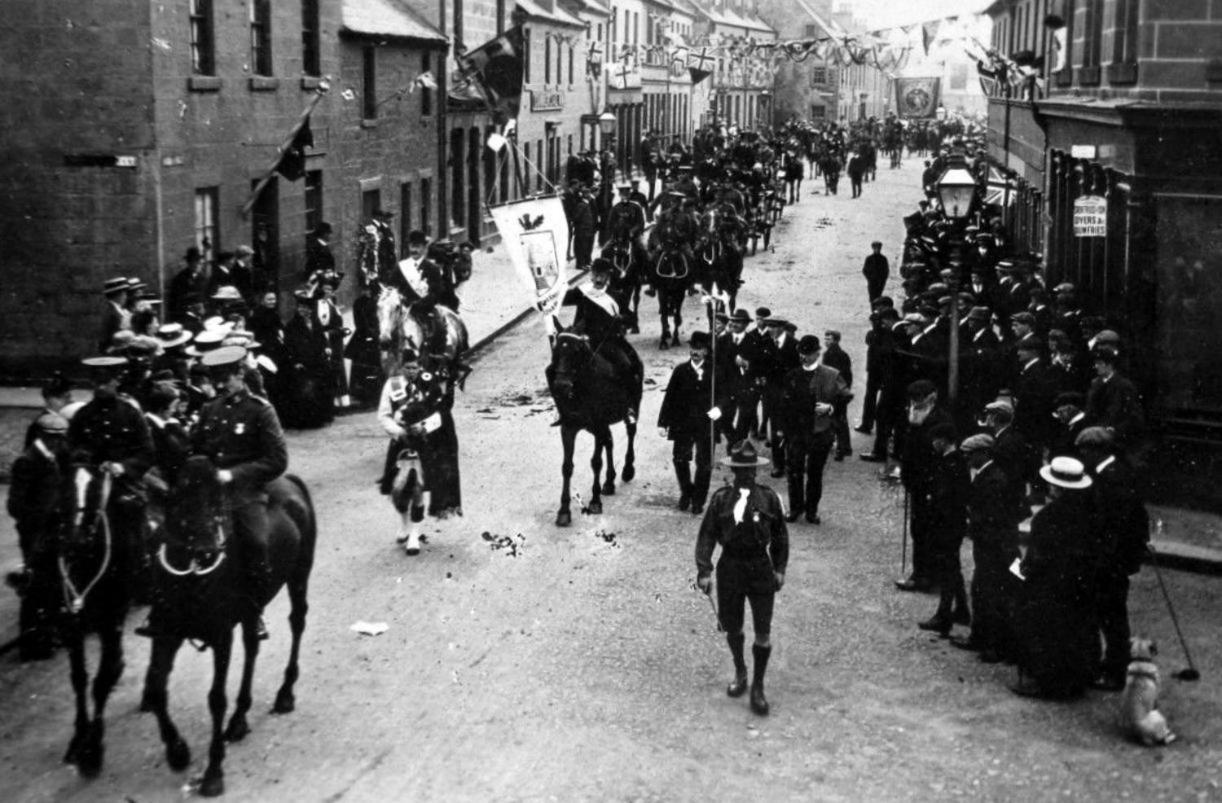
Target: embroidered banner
pixel 536 235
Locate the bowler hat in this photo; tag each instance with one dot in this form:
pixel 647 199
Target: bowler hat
pixel 763 312
pixel 809 344
pixel 743 455
pixel 921 389
pixel 740 316
pixel 698 340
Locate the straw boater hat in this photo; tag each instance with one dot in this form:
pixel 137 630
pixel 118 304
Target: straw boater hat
pixel 206 341
pixel 1066 472
pixel 116 285
pixel 105 363
pixel 227 292
pixel 742 455
pixel 172 334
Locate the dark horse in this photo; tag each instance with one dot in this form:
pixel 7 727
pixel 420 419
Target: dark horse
pixel 674 273
pixel 722 262
pixel 96 570
pixel 590 396
pixel 626 282
pixel 202 594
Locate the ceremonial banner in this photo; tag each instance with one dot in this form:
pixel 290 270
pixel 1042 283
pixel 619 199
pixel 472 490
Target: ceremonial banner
pixel 917 98
pixel 535 233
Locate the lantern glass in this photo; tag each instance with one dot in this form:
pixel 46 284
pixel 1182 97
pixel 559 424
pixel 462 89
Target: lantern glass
pixel 956 189
pixel 606 123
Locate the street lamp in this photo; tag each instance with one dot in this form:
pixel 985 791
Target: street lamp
pixel 956 189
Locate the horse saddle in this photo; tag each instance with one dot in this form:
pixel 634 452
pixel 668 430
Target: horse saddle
pixel 672 265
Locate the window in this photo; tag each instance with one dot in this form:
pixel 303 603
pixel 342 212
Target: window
pixel 369 85
pixel 310 59
pixel 313 199
pixel 456 25
pixel 500 17
pixel 570 64
pixel 371 201
pixel 547 58
pixel 636 28
pixel 261 37
pixel 559 62
pixel 614 26
pixel 526 56
pixel 207 207
pixel 203 50
pixel 457 185
pixel 405 215
pixel 1092 41
pixel 426 205
pixel 426 94
pixel 818 75
pixel 1125 50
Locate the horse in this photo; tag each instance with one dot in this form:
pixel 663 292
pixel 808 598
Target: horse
pixel 722 259
pixel 673 276
pixel 203 594
pixel 626 282
pixel 440 334
pixel 589 396
pixel 96 568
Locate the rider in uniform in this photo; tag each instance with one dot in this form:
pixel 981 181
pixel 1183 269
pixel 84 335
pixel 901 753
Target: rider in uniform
pixel 627 224
pixel 748 521
pixel 241 434
pixel 110 432
pixel 674 229
pixel 598 317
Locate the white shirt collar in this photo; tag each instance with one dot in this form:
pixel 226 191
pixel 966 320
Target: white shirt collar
pixel 42 447
pixel 156 419
pixel 1030 363
pixel 1107 461
pixel 1076 418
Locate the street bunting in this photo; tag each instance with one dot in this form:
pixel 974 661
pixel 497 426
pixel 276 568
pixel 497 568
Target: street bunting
pixel 1090 216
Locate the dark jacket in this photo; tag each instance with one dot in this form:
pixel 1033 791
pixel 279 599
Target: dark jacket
pixel 112 430
pixel 1116 404
pixel 33 497
pixel 917 456
pixel 838 358
pixel 687 401
pixel 1124 523
pixel 240 432
pixel 802 391
pixel 992 522
pixel 876 269
pixel 1035 391
pixel 949 488
pixel 755 538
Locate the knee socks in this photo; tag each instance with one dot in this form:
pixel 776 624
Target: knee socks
pixel 760 654
pixel 736 641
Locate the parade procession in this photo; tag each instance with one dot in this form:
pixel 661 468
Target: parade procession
pixel 404 401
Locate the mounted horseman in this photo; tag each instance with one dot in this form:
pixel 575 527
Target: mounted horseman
pixel 671 244
pixel 625 252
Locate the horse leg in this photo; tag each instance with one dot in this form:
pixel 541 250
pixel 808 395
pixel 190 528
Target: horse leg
pixel 678 311
pixel 568 435
pixel 161 663
pixel 664 311
pixel 110 668
pixel 609 485
pixel 213 782
pixel 596 463
pixel 630 455
pixel 238 727
pixel 299 606
pixel 80 683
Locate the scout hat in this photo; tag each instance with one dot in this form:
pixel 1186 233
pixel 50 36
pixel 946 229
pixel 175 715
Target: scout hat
pixel 742 455
pixel 1066 472
pixel 116 285
pixel 172 334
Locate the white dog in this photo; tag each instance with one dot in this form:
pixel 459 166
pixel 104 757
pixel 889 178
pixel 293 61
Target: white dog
pixel 1139 712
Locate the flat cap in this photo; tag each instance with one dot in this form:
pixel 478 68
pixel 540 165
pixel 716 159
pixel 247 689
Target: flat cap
pixel 1096 437
pixel 978 443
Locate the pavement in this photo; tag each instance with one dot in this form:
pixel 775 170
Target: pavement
pixel 523 661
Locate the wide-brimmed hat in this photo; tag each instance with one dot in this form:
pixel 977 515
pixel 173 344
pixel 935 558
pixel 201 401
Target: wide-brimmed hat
pixel 116 285
pixel 743 455
pixel 206 341
pixel 1066 472
pixel 172 334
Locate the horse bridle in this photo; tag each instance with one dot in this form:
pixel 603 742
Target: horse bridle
pixel 195 567
pixel 76 599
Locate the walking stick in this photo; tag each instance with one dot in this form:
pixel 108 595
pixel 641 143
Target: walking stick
pixel 904 540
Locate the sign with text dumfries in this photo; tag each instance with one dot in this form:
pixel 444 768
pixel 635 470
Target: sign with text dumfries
pixel 1090 216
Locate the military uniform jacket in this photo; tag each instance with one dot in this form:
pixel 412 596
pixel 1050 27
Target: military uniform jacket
pixel 112 430
pixel 761 540
pixel 627 220
pixel 241 433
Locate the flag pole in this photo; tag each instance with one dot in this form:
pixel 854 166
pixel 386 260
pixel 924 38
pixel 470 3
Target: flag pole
pixel 323 86
pixel 712 374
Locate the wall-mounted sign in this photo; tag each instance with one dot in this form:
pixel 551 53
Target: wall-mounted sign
pixel 1090 216
pixel 546 100
pixel 1084 151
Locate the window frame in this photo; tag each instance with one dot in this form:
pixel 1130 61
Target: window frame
pixel 206 226
pixel 312 197
pixel 311 40
pixel 261 38
pixel 201 37
pixel 369 82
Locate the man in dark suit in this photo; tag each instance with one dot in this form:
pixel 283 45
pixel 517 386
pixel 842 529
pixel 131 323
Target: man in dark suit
pixel 782 357
pixel 585 228
pixel 1070 422
pixel 1124 532
pixel 1013 454
pixel 809 397
pixel 993 529
pixel 836 357
pixel 1113 401
pixel 1035 390
pixel 687 410
pixel 886 373
pixel 190 282
pixel 979 352
pixel 876 270
pixel 319 259
pixel 948 494
pixel 918 459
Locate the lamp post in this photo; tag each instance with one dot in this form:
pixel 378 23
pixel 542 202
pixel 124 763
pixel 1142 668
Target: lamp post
pixel 607 123
pixel 606 126
pixel 956 189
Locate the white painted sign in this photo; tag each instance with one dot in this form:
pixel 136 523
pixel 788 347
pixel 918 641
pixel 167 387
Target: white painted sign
pixel 1090 216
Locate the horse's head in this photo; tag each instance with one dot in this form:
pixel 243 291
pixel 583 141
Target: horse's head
pixel 570 355
pixel 391 313
pixel 83 502
pixel 197 517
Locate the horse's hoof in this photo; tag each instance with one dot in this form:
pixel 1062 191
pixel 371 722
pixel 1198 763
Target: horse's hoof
pixel 89 761
pixel 627 474
pixel 676 340
pixel 664 344
pixel 608 488
pixel 564 518
pixel 73 755
pixel 237 730
pixel 285 703
pixel 212 786
pixel 595 508
pixel 178 756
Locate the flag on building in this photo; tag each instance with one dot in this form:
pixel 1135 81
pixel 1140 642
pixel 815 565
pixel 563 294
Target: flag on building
pixel 292 160
pixel 495 69
pixel 700 64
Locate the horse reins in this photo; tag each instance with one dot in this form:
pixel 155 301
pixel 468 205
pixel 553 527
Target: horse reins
pixel 76 599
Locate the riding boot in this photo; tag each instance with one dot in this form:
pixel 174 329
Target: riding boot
pixel 739 684
pixel 683 471
pixel 259 575
pixel 759 703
